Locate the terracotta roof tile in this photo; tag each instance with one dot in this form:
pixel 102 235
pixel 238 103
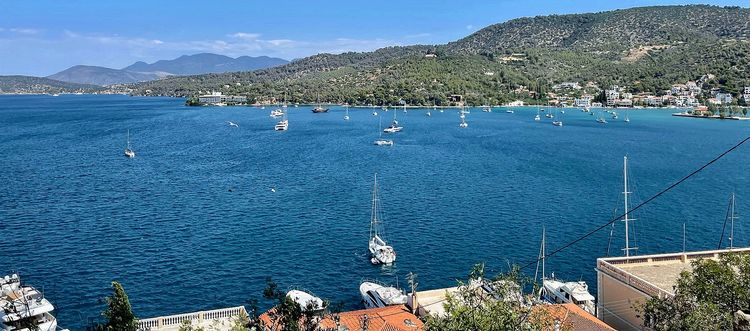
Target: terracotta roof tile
pixel 573 317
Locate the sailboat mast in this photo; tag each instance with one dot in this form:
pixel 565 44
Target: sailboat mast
pixel 374 219
pixel 625 176
pixel 731 228
pixel 128 141
pixel 544 244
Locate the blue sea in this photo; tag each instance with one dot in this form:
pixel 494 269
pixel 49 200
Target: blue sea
pixel 206 212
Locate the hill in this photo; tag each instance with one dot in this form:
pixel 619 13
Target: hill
pixel 101 76
pixel 37 85
pixel 645 48
pixel 206 63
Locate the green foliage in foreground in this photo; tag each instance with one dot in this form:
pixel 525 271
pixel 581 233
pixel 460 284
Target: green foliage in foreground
pixel 119 313
pixel 705 299
pixel 472 309
pixel 287 315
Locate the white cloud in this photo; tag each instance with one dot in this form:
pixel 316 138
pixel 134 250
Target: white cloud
pixel 417 36
pixel 24 30
pixel 469 27
pixel 245 35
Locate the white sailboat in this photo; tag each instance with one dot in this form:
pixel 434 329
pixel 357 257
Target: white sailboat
pixel 463 124
pixel 393 128
pixel 346 116
pixel 537 117
pixel 627 118
pixel 601 119
pixel 557 291
pixel 380 251
pixel 380 141
pixel 129 152
pixel 558 121
pixel 626 219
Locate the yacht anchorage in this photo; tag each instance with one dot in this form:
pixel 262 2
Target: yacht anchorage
pixel 379 250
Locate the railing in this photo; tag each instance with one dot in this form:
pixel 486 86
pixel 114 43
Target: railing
pixel 635 281
pixel 172 320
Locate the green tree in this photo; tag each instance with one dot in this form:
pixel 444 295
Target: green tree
pixel 119 313
pixel 472 308
pixel 187 325
pixel 705 298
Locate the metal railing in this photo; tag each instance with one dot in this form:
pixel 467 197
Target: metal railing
pixel 155 323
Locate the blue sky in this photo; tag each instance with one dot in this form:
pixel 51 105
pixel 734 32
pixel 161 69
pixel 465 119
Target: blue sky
pixel 42 37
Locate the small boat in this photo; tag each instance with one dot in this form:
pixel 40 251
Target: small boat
pixel 486 109
pixel 548 115
pixel 129 152
pixel 56 95
pixel 614 115
pixel 537 117
pixel 601 120
pixel 377 296
pixel 509 111
pixel 306 301
pixel 463 124
pixel 393 128
pixel 380 141
pixel 346 117
pixel 232 124
pixel 24 307
pixel 374 113
pixel 277 113
pixel 555 291
pixel 319 108
pixel 282 125
pixel 586 109
pixel 557 123
pixel 380 251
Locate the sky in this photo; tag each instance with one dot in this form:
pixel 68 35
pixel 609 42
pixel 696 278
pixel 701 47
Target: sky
pixel 42 37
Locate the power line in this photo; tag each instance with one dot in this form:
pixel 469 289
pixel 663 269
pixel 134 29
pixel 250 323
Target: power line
pixel 669 188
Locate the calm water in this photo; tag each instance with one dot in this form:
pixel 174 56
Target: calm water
pixel 191 223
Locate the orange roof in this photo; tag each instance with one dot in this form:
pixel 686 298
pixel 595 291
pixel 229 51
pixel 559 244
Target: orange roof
pixel 391 318
pixel 573 317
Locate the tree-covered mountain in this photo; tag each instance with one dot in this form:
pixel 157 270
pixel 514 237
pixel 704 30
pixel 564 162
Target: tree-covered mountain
pixel 206 63
pixel 646 49
pixel 28 84
pixel 101 76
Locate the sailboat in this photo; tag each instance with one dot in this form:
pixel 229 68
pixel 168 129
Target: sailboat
pixel 614 115
pixel 627 118
pixel 557 291
pixel 130 153
pixel 393 128
pixel 318 108
pixel 380 251
pixel 463 124
pixel 601 119
pixel 380 141
pixel 558 121
pixel 537 117
pixel 731 216
pixel 627 218
pixel 346 117
pixel 429 113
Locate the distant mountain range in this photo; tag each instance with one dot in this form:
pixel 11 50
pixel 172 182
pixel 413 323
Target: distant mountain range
pixel 645 48
pixel 184 65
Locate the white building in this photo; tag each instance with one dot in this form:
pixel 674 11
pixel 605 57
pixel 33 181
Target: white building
pixel 724 98
pixel 613 96
pixel 746 94
pixel 217 97
pixel 584 101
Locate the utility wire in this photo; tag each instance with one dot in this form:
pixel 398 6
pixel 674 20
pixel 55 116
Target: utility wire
pixel 662 192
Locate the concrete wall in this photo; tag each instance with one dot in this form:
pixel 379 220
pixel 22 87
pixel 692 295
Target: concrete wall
pixel 616 301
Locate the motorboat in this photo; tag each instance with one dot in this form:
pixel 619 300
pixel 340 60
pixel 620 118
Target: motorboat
pixel 375 295
pixel 556 291
pixel 24 306
pixel 306 301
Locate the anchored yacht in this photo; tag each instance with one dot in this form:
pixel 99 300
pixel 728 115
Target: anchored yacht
pixel 305 300
pixel 376 296
pixel 22 306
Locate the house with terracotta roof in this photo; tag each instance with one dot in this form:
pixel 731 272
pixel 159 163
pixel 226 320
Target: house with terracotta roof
pixel 391 318
pixel 569 316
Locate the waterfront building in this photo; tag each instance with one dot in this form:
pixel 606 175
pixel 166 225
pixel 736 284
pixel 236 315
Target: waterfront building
pixel 217 319
pixel 583 101
pixel 724 98
pixel 613 96
pixel 218 98
pixel 746 94
pixel 517 103
pixel 624 283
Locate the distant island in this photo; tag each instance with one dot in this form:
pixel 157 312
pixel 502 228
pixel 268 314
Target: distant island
pixel 678 56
